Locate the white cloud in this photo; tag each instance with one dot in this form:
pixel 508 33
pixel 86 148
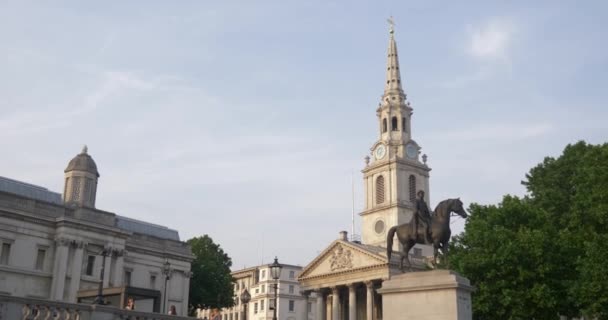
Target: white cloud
pixel 491 40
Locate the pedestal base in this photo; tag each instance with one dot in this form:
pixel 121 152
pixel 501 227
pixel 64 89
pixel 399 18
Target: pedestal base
pixel 427 295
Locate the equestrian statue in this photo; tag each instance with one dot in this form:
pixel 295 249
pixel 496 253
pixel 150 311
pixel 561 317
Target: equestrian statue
pixel 425 228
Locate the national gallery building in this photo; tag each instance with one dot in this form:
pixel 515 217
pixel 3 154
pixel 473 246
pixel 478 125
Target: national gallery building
pixel 57 246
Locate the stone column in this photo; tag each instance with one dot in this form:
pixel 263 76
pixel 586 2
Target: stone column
pixel 305 295
pixel 186 288
pixel 60 267
pixel 335 303
pixel 79 247
pixel 106 276
pixel 352 302
pixel 320 305
pixel 370 300
pixel 119 266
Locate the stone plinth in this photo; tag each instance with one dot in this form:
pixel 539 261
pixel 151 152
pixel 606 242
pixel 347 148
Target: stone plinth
pixel 427 295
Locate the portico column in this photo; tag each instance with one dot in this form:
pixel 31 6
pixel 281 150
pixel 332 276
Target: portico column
pixel 335 303
pixel 118 271
pixel 76 270
pixel 186 288
pixel 370 300
pixel 352 302
pixel 305 294
pixel 320 305
pixel 60 268
pixel 106 276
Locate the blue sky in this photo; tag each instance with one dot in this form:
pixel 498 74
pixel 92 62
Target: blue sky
pixel 245 120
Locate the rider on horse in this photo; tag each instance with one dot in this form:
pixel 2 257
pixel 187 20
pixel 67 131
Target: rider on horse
pixel 423 214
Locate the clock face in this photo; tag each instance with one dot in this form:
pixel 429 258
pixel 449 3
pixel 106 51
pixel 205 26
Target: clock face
pixel 380 152
pixel 412 151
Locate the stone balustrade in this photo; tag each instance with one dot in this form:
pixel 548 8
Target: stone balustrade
pixel 18 308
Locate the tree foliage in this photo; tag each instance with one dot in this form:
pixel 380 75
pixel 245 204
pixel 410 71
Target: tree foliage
pixel 211 283
pixel 544 254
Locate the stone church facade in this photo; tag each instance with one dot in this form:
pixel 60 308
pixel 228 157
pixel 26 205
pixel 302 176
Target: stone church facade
pixel 52 246
pixel 345 276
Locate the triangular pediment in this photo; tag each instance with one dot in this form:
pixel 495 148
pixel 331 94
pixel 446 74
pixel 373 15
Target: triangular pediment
pixel 342 256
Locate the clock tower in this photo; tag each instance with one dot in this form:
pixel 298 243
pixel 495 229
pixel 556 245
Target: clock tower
pixel 395 172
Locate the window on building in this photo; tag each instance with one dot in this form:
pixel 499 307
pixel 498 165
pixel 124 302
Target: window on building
pixel 90 265
pixel 412 182
pixel 236 301
pixel 255 307
pixel 152 281
pixel 5 254
pixel 292 305
pixel 128 278
pixel 263 288
pixel 236 316
pixel 291 288
pixel 309 307
pixel 262 305
pixel 394 124
pixel 403 125
pixel 417 252
pixel 257 290
pixel 231 317
pixel 40 257
pixel 380 190
pixel 271 304
pixel 384 125
pixel 263 274
pixel 292 274
pixel 88 190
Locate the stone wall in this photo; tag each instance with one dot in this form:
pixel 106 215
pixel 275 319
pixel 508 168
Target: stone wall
pixel 14 308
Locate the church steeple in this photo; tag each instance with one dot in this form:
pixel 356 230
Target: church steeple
pixel 395 172
pixel 393 75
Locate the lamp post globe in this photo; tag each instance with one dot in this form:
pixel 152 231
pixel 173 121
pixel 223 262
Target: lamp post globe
pixel 245 298
pixel 275 272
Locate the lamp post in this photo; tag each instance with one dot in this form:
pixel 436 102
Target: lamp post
pixel 104 253
pixel 167 273
pixel 275 272
pixel 245 298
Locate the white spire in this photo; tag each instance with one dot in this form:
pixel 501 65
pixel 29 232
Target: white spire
pixel 393 75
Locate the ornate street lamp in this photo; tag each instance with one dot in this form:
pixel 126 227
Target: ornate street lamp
pixel 104 253
pixel 245 298
pixel 275 272
pixel 167 273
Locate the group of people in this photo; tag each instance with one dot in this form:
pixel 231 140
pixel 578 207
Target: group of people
pixel 207 314
pixel 131 306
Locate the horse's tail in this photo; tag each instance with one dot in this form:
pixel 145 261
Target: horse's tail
pixel 389 242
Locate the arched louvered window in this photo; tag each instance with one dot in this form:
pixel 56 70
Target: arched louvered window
pixel 412 181
pixel 384 125
pixel 394 124
pixel 380 190
pixel 403 125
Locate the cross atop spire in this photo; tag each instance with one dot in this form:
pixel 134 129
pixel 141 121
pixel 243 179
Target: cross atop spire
pixel 391 23
pixel 393 75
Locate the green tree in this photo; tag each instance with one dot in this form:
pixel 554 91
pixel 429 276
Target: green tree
pixel 211 283
pixel 545 254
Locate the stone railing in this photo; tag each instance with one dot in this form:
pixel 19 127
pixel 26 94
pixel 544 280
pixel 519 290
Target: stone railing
pixel 17 308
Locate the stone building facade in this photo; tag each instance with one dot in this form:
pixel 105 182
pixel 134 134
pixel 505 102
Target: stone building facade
pixel 345 276
pixel 293 303
pixel 52 246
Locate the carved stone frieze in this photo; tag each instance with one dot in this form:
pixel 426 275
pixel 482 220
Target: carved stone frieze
pixel 341 259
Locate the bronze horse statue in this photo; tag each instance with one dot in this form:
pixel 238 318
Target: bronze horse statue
pixel 439 231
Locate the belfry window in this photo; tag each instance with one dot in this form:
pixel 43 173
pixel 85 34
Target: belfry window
pixel 384 125
pixel 380 190
pixel 412 182
pixel 394 124
pixel 403 125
